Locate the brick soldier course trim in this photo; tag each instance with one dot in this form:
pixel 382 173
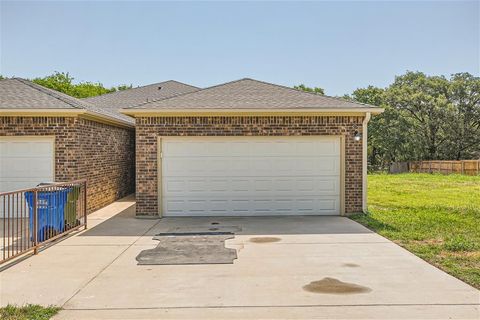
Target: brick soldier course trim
pixel 101 153
pixel 149 128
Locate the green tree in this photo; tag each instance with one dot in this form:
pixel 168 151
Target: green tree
pixel 422 100
pixel 425 118
pixel 88 89
pixel 464 131
pixel 387 133
pixel 316 90
pixel 58 81
pixel 123 87
pixel 63 82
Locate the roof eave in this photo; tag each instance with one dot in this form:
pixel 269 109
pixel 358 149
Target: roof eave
pixel 219 112
pixel 108 120
pixel 16 112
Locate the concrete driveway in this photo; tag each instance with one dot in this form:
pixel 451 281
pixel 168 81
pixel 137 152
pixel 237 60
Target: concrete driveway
pixel 95 275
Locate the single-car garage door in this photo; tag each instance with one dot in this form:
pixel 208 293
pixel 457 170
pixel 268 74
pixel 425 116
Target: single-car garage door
pixel 250 176
pixel 25 162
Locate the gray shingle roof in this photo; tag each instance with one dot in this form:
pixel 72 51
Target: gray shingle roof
pixel 250 94
pixel 19 93
pixel 135 96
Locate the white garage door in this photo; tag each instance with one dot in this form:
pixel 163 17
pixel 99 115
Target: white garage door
pixel 25 162
pixel 250 176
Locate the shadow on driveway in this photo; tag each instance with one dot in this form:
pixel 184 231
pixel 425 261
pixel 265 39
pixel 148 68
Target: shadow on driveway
pixel 126 224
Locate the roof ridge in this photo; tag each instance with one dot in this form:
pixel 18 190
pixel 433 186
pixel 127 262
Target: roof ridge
pixel 187 93
pixel 259 81
pixel 185 84
pixel 144 86
pixel 55 94
pixel 312 93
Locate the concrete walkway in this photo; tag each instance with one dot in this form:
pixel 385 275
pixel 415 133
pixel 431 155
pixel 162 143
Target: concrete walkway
pixel 287 267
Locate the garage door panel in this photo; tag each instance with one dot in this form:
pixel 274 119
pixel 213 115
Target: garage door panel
pixel 283 185
pixel 215 164
pixel 304 148
pixel 174 206
pixel 25 162
pixel 241 166
pixel 182 149
pixel 317 166
pixel 219 185
pixel 196 186
pixel 260 185
pixel 251 207
pixel 206 148
pixel 43 149
pixel 250 176
pixel 285 165
pixel 240 185
pixel 20 147
pixel 327 147
pixel 327 185
pixel 173 185
pixel 26 167
pixel 266 186
pixel 275 147
pixel 219 206
pixel 306 205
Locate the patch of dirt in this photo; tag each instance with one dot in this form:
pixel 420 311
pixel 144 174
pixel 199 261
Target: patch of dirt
pixel 426 241
pixel 460 254
pixel 351 265
pixel 264 239
pixel 335 286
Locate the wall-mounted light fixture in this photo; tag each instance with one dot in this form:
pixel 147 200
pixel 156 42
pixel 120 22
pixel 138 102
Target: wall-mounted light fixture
pixel 357 136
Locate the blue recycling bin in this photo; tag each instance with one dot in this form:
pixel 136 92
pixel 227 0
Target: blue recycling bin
pixel 50 211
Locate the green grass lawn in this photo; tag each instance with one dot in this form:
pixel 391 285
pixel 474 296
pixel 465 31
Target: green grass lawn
pixel 27 312
pixel 437 217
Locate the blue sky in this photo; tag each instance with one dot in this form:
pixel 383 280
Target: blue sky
pixel 339 46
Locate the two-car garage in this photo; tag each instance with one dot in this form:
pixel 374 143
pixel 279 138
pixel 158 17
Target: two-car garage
pixel 250 148
pixel 250 176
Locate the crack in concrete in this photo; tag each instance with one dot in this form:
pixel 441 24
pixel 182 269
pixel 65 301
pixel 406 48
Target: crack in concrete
pixel 284 306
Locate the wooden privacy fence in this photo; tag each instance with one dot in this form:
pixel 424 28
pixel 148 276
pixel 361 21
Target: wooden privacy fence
pixel 467 167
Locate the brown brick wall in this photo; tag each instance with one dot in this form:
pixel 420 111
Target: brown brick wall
pixel 149 128
pixel 107 161
pixel 103 154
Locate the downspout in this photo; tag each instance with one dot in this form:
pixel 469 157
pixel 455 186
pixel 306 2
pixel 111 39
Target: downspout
pixel 364 160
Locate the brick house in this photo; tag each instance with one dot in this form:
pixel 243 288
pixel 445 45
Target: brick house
pixel 49 136
pixel 248 148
